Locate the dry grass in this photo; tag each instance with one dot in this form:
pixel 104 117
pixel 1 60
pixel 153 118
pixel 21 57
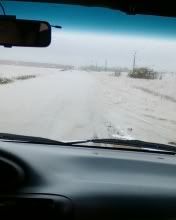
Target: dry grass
pixel 25 77
pixel 5 80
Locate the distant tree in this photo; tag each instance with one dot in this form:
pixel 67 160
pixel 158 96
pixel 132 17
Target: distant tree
pixel 144 73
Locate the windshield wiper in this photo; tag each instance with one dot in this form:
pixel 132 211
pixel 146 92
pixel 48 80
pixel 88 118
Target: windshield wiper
pixel 137 144
pixel 6 137
pixel 122 144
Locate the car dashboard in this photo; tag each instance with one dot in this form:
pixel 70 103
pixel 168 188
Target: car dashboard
pixel 63 182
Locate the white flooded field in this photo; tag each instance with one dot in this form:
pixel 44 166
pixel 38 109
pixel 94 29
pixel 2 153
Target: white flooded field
pixel 74 105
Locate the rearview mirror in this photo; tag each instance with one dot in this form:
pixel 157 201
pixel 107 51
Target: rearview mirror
pixel 24 33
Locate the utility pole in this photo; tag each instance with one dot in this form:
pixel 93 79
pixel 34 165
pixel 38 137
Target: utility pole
pixel 106 65
pixel 96 66
pixel 134 62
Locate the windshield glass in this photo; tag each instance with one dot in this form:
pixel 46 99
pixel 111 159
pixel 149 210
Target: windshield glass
pixel 105 75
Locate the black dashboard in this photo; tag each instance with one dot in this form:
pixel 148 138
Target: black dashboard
pixel 62 182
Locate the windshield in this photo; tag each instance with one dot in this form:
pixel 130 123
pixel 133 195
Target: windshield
pixel 105 75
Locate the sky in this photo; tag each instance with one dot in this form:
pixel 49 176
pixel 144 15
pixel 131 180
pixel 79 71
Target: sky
pixel 93 36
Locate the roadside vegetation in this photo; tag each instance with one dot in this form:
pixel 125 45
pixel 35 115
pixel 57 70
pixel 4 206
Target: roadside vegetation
pixel 5 80
pixel 137 73
pixel 25 77
pixel 144 73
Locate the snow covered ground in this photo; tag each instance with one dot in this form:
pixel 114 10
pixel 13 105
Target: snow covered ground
pixel 74 105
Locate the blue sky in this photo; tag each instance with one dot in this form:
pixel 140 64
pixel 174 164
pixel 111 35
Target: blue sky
pixel 78 18
pixel 93 35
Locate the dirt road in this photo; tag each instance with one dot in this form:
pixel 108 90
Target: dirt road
pixel 74 105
